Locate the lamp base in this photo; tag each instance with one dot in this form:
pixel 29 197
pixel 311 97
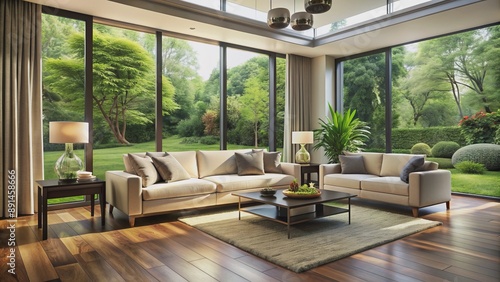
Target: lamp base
pixel 302 156
pixel 68 165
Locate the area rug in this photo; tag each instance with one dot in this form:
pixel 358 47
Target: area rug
pixel 313 243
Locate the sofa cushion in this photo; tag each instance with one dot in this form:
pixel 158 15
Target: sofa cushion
pixel 234 182
pixel 412 165
pixel 352 164
pixel 272 161
pixel 128 165
pixel 217 162
pixel 188 160
pixel 392 164
pixel 250 163
pixel 144 168
pixel 346 180
pixel 170 169
pixel 372 161
pixel 387 184
pixel 184 188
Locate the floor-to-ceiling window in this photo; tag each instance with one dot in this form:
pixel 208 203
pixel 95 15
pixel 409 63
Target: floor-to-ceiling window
pixel 119 93
pixel 435 85
pixel 63 84
pixel 364 90
pixel 191 73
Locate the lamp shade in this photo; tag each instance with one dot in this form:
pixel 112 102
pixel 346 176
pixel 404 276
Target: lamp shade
pixel 278 18
pixel 302 21
pixel 68 132
pixel 302 137
pixel 317 6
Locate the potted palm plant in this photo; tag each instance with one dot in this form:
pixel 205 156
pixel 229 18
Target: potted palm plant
pixel 339 133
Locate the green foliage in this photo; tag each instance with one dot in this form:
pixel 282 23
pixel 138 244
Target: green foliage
pixel 470 167
pixel 405 138
pixel 497 136
pixel 486 154
pixel 209 140
pixel 444 149
pixel 190 140
pixel 421 149
pixel 339 133
pixel 443 163
pixel 480 127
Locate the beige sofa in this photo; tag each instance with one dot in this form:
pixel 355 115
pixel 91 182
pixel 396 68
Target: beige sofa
pixel 382 181
pixel 212 177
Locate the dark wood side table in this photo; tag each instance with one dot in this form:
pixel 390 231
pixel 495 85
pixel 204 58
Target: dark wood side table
pixel 50 189
pixel 306 170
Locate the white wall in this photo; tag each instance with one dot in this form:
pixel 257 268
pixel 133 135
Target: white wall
pixel 323 93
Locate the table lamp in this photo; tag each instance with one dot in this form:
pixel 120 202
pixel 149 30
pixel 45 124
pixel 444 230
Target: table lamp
pixel 302 137
pixel 68 132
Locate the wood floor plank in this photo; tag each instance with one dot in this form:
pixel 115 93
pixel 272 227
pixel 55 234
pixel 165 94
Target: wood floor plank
pixel 57 252
pixel 97 268
pixel 217 271
pixel 76 245
pixel 120 261
pixel 37 263
pixel 72 272
pixel 165 273
pixel 141 256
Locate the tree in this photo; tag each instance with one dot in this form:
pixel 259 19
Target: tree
pixel 255 103
pixel 123 81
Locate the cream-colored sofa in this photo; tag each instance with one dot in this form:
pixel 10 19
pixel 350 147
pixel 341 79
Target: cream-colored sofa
pixel 382 182
pixel 213 176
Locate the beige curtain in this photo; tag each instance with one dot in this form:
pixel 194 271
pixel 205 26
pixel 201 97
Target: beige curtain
pixel 297 102
pixel 21 100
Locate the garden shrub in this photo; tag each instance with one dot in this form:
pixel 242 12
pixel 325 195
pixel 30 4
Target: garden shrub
pixel 190 140
pixel 421 149
pixel 405 138
pixel 444 149
pixel 497 136
pixel 470 167
pixel 486 154
pixel 209 140
pixel 480 127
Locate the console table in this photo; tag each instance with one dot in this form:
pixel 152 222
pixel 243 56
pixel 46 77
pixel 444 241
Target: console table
pixel 50 189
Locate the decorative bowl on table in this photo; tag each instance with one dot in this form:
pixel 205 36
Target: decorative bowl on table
pixel 302 195
pixel 267 192
pixel 301 191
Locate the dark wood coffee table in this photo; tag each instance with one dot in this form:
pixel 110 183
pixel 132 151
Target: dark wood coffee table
pixel 280 208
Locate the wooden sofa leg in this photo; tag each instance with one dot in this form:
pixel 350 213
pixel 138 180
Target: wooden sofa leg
pixel 111 208
pixel 131 221
pixel 414 211
pixel 448 205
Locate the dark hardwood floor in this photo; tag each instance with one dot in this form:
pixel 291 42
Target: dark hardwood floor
pixel 465 248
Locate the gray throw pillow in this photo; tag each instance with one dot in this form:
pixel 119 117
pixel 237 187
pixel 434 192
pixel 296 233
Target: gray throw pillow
pixel 352 164
pixel 412 165
pixel 272 161
pixel 144 168
pixel 250 163
pixel 170 169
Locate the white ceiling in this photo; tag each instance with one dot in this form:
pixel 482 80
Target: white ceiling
pixel 361 39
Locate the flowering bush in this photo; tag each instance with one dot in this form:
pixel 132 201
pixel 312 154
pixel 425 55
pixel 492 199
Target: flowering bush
pixel 480 127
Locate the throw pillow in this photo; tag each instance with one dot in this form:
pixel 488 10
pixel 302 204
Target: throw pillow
pixel 144 168
pixel 352 164
pixel 170 169
pixel 250 163
pixel 412 165
pixel 271 161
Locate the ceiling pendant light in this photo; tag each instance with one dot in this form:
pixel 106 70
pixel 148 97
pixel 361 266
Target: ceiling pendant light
pixel 302 21
pixel 278 17
pixel 317 6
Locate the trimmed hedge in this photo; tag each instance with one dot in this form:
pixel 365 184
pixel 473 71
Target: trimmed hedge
pixel 405 138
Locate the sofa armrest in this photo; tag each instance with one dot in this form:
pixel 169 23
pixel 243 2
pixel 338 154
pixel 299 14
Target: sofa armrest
pixel 429 187
pixel 325 169
pixel 292 169
pixel 124 191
